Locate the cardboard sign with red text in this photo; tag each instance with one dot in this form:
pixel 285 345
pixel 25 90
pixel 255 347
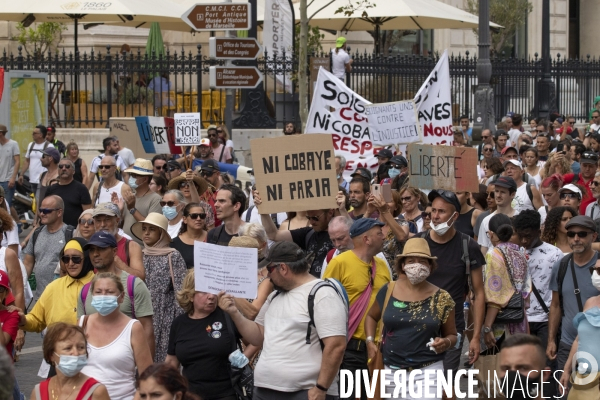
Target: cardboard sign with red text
pixel 443 167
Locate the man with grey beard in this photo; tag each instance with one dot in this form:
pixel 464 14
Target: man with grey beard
pixel 102 250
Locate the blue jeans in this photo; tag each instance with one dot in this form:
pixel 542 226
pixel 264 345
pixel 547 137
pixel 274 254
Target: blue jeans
pixel 9 193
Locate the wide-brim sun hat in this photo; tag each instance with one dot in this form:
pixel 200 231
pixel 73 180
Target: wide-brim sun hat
pixel 155 219
pixel 141 167
pixel 198 181
pixel 416 247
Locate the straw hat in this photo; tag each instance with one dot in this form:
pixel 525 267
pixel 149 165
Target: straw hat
pixel 244 241
pixel 141 167
pixel 416 247
pixel 153 218
pixel 198 181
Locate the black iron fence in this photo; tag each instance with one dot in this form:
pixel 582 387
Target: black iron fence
pixel 85 90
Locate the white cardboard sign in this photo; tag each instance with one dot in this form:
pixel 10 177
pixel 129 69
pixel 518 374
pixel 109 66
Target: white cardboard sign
pixel 187 129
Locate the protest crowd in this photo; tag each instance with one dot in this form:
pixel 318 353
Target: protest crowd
pixel 392 273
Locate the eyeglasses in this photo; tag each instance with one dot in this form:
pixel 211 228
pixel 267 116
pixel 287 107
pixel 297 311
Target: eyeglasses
pixel 160 167
pixel 198 215
pixel 47 210
pixel 316 217
pixel 166 203
pixel 405 199
pixel 64 166
pixel 184 184
pixel 491 195
pixel 219 130
pixel 594 183
pixel 45 156
pixel 3 289
pixel 581 234
pixel 86 221
pixel 75 259
pixel 542 134
pixel 206 173
pixel 488 149
pixel 213 135
pixel 425 215
pixel 395 166
pixel 109 167
pixel 572 123
pixel 485 137
pixel 271 268
pixel 569 196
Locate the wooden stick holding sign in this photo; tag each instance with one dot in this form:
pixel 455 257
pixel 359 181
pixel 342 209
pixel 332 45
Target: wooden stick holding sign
pixel 443 167
pixel 295 173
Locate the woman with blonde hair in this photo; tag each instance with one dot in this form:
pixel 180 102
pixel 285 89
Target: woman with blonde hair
pixel 81 169
pixel 225 138
pixel 556 164
pixel 413 201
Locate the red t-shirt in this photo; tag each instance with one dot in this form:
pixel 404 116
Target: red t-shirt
pixel 10 324
pixel 589 198
pixel 121 250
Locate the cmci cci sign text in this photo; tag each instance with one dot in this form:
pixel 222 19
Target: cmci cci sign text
pixel 218 16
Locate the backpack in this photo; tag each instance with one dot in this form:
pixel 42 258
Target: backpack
pixel 31 146
pixel 68 235
pixel 273 216
pixel 118 173
pixel 130 285
pixel 562 272
pixel 339 290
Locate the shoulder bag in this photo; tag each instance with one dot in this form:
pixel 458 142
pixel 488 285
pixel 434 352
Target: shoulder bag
pixel 514 311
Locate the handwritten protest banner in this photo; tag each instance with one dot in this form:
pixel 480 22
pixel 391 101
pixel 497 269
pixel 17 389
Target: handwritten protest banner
pixel 443 167
pixel 434 105
pixel 393 123
pixel 337 110
pixel 294 173
pixel 187 129
pixel 157 135
pixel 229 269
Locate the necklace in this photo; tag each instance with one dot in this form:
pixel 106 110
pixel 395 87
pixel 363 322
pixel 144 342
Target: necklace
pixel 60 392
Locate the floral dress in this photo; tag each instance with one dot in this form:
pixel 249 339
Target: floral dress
pixel 498 287
pixel 164 303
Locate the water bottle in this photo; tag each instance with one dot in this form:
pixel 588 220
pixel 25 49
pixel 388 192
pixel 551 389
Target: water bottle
pixel 466 312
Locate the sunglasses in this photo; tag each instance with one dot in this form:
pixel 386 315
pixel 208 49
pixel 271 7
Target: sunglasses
pixel 86 222
pixel 219 131
pixel 47 210
pixel 425 215
pixel 543 134
pixel 590 156
pixel 171 169
pixel 64 166
pixel 161 167
pixel 206 173
pixel 271 268
pixel 166 203
pixel 581 234
pixel 485 137
pixel 491 195
pixel 184 185
pixel 488 149
pixel 316 217
pixel 197 215
pixel 212 135
pixel 569 196
pixel 405 199
pixel 75 259
pixel 395 166
pixel 594 183
pixel 109 167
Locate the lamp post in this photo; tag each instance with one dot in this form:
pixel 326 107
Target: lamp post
pixel 484 115
pixel 546 91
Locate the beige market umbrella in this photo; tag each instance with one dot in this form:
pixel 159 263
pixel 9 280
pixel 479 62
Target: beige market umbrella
pixel 131 11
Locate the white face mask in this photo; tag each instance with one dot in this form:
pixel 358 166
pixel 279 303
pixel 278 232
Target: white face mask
pixel 596 280
pixel 442 228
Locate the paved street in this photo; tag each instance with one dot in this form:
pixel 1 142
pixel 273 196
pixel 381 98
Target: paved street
pixel 29 363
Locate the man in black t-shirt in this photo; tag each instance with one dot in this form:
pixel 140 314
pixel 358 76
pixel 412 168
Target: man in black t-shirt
pixel 230 204
pixel 313 239
pixel 446 243
pixel 74 194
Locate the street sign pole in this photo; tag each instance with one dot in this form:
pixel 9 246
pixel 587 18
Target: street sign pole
pixel 229 93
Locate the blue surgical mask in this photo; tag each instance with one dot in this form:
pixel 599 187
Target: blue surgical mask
pixel 393 172
pixel 71 365
pixel 105 304
pixel 169 212
pixel 132 183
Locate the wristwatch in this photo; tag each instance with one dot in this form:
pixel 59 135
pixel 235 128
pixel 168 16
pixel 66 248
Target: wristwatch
pixel 487 329
pixel 369 339
pixel 132 210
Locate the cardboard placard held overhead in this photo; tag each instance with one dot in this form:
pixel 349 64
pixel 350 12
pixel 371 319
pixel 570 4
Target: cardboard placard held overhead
pixel 443 167
pixel 187 129
pixel 394 123
pixel 294 173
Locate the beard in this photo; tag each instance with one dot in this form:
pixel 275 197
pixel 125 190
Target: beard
pixel 279 288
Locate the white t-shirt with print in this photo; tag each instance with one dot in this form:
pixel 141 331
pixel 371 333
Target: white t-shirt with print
pixel 482 238
pixel 34 154
pixel 540 261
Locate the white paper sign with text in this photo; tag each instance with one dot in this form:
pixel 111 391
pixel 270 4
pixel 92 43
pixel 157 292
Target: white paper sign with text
pixel 393 123
pixel 187 129
pixel 229 269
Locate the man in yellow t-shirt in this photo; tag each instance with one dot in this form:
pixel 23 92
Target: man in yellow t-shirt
pixel 359 271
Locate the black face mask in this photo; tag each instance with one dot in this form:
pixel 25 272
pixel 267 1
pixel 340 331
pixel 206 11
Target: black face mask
pixel 519 386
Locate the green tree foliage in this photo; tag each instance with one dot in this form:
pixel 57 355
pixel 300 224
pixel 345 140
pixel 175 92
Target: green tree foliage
pixel 511 14
pixel 40 39
pixel 313 41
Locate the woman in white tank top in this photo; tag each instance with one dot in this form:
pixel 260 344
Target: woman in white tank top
pixel 117 343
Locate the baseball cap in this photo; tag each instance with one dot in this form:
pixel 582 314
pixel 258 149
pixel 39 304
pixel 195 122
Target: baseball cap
pixel 339 42
pixel 583 221
pixel 570 187
pixel 446 195
pixel 174 164
pixel 589 157
pixel 510 114
pixel 504 150
pixel 4 281
pixel 107 208
pixel 210 165
pixel 385 153
pixel 205 142
pixel 516 163
pixel 52 152
pixel 101 239
pixel 362 225
pixel 399 160
pixel 362 172
pixel 283 252
pixel 505 182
